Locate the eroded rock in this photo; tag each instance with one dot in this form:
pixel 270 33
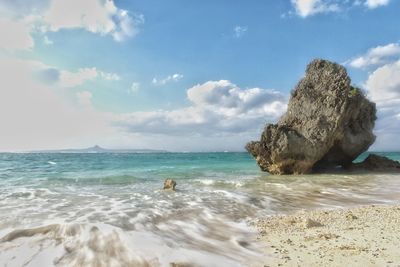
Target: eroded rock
pixel 328 123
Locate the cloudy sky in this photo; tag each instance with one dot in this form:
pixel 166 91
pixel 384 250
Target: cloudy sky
pixel 182 75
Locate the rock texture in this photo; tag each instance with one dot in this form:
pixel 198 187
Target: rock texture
pixel 377 163
pixel 328 123
pixel 169 184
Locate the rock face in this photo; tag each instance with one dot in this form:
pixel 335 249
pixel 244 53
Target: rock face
pixel 328 123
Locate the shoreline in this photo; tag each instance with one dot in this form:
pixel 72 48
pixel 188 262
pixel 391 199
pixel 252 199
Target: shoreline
pixel 356 236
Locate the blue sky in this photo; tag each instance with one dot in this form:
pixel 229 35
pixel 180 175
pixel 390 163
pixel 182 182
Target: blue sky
pixel 182 75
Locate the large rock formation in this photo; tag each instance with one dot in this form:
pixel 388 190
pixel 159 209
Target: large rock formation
pixel 328 123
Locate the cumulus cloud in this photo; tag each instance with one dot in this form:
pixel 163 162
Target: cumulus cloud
pixel 376 56
pixel 128 25
pixel 85 99
pixel 217 108
pixel 15 35
pixel 383 84
pixel 72 79
pixel 371 4
pixel 17 8
pixel 97 16
pixel 35 116
pixel 305 8
pixel 170 78
pixel 383 87
pixel 21 18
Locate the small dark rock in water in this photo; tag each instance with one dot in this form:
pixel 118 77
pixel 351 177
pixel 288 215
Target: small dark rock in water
pixel 328 123
pixel 169 184
pixel 244 244
pixel 377 163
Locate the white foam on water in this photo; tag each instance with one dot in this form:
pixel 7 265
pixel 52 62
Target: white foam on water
pixel 202 223
pixel 206 181
pixel 105 245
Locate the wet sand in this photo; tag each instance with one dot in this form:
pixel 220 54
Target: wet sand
pixel 362 236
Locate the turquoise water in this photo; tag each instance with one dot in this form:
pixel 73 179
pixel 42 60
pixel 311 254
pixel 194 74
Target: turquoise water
pixel 116 199
pixel 124 167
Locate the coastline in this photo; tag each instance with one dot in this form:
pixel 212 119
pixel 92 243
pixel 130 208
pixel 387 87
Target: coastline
pixel 357 236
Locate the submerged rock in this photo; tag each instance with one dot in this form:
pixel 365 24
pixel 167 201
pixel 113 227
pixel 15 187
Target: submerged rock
pixel 328 123
pixel 169 184
pixel 377 163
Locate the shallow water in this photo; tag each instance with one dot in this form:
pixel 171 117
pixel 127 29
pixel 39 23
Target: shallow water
pixel 88 209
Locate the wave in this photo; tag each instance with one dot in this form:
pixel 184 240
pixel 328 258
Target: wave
pixel 104 245
pixel 105 180
pixel 78 245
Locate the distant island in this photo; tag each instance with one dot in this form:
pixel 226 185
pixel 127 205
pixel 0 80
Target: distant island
pixel 98 149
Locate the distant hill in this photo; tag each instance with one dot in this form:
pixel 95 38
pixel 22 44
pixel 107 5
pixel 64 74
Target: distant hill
pixel 98 149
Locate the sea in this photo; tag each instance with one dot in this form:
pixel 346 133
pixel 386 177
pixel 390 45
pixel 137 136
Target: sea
pixel 109 209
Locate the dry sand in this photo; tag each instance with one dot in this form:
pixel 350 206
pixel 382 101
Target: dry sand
pixel 363 236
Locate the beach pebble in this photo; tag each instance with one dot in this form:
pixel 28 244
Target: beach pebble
pixel 308 223
pixel 351 216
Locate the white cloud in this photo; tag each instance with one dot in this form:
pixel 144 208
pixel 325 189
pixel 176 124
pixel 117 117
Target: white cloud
pixel 92 15
pixel 109 76
pixel 376 3
pixel 383 87
pixel 37 116
pixel 239 31
pixel 218 108
pixel 376 56
pixel 72 79
pixel 15 35
pixel 85 99
pixel 170 78
pixel 134 87
pixel 97 16
pixel 47 41
pixel 305 8
pixel 128 26
pixel 383 84
pixel 21 8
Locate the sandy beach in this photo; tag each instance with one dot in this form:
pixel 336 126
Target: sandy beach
pixel 362 236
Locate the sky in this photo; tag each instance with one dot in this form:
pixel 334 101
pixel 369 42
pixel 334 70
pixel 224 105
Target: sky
pixel 182 75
